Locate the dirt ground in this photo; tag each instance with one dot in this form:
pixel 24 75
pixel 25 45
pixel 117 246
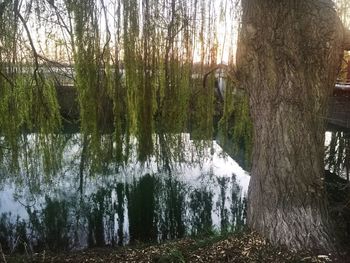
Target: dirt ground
pixel 247 247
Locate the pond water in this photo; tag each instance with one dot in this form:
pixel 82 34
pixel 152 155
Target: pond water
pixel 187 187
pixel 198 189
pixel 337 153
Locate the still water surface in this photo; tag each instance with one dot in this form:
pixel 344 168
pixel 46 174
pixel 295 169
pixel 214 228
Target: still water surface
pixel 187 187
pixel 198 190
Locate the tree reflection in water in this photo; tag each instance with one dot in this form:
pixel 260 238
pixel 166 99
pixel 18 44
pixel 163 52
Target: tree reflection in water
pixel 337 161
pixel 186 187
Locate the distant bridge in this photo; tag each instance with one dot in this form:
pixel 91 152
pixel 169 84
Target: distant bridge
pixel 338 117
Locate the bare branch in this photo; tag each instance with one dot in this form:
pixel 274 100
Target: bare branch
pixel 59 17
pixel 52 62
pixel 35 53
pixel 36 74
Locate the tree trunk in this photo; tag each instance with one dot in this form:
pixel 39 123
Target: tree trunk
pixel 289 53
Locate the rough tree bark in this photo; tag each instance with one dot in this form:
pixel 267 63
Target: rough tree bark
pixel 289 53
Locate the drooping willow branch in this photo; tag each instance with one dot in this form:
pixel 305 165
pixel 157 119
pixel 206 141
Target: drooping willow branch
pixel 7 79
pixel 108 32
pixel 39 83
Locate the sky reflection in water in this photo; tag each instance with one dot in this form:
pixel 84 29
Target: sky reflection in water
pixel 204 192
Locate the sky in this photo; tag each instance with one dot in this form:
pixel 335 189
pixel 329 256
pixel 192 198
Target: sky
pixel 49 40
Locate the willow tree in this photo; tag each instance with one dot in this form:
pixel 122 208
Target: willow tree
pixel 288 57
pixel 27 99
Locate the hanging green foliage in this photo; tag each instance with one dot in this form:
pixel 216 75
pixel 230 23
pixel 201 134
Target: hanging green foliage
pixel 28 101
pixel 235 126
pixel 137 67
